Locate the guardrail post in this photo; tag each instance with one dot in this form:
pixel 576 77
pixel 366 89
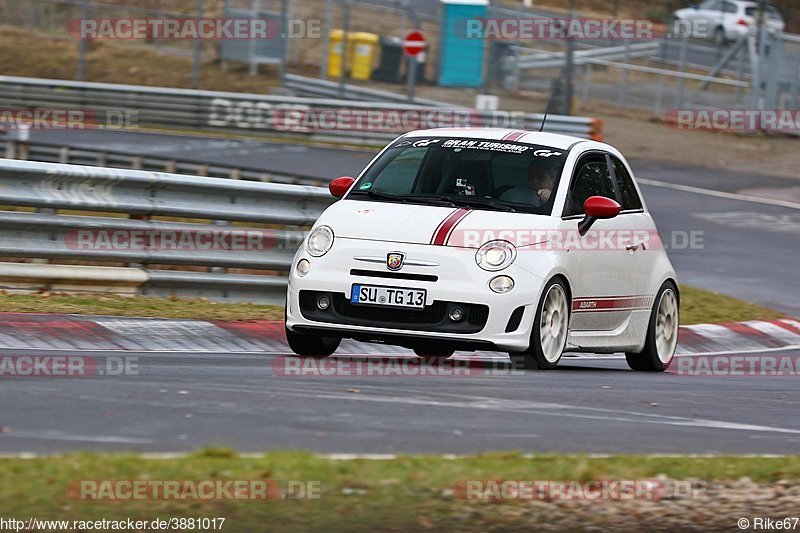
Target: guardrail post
pixel 170 166
pixel 11 148
pixel 136 163
pixel 63 154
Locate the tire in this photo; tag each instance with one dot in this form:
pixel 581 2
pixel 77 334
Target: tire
pixel 662 333
pixel 550 330
pixel 719 36
pixel 311 345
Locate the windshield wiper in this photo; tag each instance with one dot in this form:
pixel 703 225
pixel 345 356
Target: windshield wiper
pixel 377 194
pixel 405 198
pixel 477 201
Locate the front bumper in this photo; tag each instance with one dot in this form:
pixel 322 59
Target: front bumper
pixel 450 278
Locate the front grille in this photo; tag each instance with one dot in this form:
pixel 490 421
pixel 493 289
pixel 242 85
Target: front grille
pixel 432 318
pixel 393 275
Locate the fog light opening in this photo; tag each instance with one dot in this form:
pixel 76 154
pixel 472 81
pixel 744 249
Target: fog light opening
pixel 501 284
pixel 303 266
pixel 456 314
pixel 323 303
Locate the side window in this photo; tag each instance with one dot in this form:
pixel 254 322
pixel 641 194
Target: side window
pixel 592 178
pixel 728 7
pixel 630 198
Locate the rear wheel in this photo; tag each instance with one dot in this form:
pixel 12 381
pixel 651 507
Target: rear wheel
pixel 311 345
pixel 662 333
pixel 719 36
pixel 550 329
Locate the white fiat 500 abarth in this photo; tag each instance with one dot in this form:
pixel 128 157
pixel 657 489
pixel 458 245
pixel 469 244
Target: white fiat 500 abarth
pixel 488 239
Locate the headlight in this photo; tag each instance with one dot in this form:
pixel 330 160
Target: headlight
pixel 495 255
pixel 320 241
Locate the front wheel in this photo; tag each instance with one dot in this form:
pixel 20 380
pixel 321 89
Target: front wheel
pixel 550 329
pixel 311 345
pixel 662 333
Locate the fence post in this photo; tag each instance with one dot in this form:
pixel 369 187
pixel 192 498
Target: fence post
pixel 622 101
pixel 81 74
pixel 682 70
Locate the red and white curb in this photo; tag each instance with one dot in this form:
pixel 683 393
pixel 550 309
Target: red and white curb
pixel 49 332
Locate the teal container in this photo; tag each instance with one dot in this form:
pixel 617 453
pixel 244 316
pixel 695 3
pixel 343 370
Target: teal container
pixel 461 58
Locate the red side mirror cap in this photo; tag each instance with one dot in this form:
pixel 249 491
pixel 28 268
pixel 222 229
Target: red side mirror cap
pixel 340 186
pixel 601 207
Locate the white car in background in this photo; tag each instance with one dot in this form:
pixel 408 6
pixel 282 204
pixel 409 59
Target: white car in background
pixel 727 20
pixel 488 239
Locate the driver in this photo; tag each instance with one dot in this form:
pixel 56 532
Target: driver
pixel 541 180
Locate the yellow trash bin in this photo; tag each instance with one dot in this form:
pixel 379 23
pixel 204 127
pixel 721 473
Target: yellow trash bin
pixel 335 54
pixel 364 46
pixel 361 48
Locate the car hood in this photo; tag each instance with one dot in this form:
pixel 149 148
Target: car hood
pixel 424 224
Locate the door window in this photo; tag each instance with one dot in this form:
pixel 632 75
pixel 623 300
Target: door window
pixel 592 178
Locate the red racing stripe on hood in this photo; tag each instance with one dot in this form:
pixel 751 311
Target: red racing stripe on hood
pixel 447 226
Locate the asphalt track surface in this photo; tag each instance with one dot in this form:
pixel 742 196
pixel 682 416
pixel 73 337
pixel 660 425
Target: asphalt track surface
pixel 181 401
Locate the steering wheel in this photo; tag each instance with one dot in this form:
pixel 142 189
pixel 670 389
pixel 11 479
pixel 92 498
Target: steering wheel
pixel 498 192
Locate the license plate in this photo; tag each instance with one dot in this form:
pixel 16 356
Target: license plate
pixel 387 296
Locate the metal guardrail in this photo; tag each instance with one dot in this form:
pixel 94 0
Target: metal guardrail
pixel 255 114
pixel 249 225
pixel 101 157
pixel 332 89
pixel 546 59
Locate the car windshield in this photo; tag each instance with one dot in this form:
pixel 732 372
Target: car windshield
pixel 475 173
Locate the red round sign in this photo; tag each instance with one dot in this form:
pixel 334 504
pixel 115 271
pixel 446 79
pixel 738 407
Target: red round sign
pixel 414 43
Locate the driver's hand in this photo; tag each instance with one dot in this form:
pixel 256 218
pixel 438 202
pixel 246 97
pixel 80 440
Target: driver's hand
pixel 544 194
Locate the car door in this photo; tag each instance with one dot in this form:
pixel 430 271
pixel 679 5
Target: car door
pixel 603 273
pixel 728 17
pixel 641 238
pixel 706 18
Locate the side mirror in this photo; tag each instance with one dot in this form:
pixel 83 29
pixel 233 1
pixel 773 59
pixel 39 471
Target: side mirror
pixel 340 186
pixel 597 207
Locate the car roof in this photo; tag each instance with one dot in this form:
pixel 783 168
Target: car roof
pixel 553 140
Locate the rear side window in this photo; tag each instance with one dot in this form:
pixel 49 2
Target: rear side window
pixel 592 178
pixel 627 190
